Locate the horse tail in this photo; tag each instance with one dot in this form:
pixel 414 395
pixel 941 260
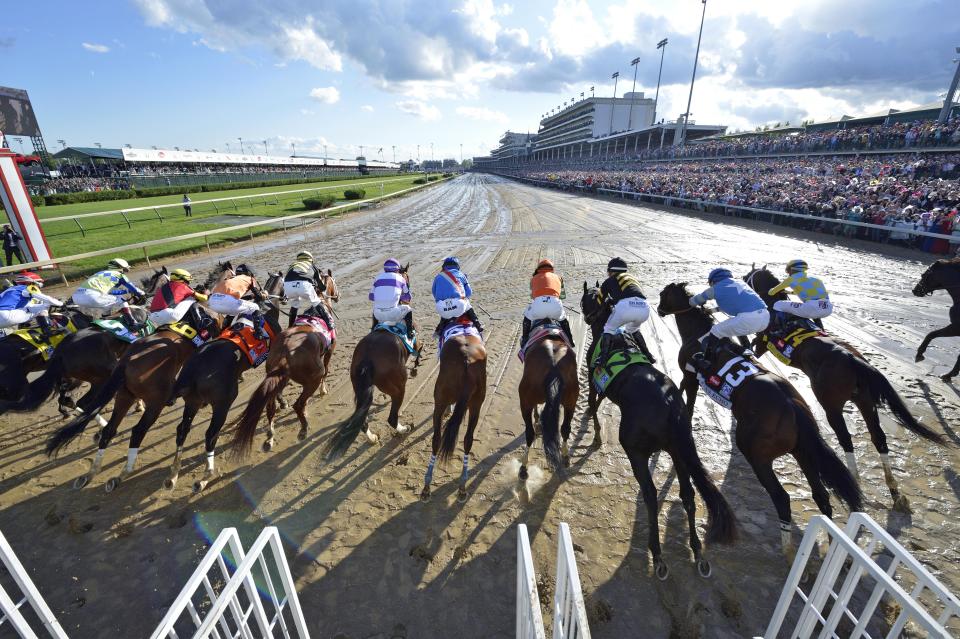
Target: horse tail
pixel 721 522
pixel 363 400
pixel 40 389
pixel 550 417
pixel 451 429
pixel 265 393
pixel 68 433
pixel 833 472
pixel 883 393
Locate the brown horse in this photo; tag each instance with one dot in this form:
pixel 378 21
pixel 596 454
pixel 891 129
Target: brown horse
pixel 839 374
pixel 772 419
pixel 942 274
pixel 461 383
pixel 300 354
pixel 147 371
pixel 549 378
pixel 211 376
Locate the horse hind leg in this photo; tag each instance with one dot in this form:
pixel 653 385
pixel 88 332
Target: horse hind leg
pixel 953 371
pixel 435 446
pixel 121 405
pixel 690 506
pixel 147 420
pixel 271 410
pixel 183 430
pixel 467 447
pixel 210 444
pixel 781 501
pixel 639 463
pixel 300 406
pixel 947 331
pixel 868 409
pixel 839 426
pixel 393 419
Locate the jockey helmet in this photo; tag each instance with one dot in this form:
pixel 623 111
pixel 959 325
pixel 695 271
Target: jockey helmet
pixel 28 278
pixel 617 265
pixel 544 265
pixel 794 266
pixel 718 274
pixel 180 274
pixel 451 262
pixel 305 255
pixel 119 263
pixel 243 269
pixel 391 266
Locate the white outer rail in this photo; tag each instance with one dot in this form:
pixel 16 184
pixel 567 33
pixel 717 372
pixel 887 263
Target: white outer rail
pixel 10 610
pixel 529 616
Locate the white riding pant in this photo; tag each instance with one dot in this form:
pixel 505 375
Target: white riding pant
pixel 811 309
pixel 300 291
pixel 545 307
pixel 391 314
pixel 21 315
pixel 95 303
pixel 229 305
pixel 173 314
pixel 453 308
pixel 742 324
pixel 630 313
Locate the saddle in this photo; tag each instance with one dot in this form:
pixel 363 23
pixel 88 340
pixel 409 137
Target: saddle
pixel 122 332
pixel 727 372
pixel 33 336
pixel 624 353
pixel 398 329
pixel 541 330
pixel 461 326
pixel 315 324
pixel 786 334
pixel 242 335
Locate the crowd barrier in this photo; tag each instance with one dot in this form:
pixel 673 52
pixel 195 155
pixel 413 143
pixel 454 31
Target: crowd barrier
pixel 202 179
pixel 30 611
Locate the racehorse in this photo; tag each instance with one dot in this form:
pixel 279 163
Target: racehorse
pixel 88 355
pixel 652 418
pixel 942 274
pixel 772 419
pixel 549 378
pixel 301 354
pixel 462 383
pixel 147 371
pixel 839 374
pixel 211 376
pixel 379 360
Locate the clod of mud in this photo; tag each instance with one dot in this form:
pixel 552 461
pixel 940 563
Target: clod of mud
pixel 178 519
pixel 123 530
pixel 421 552
pixel 598 611
pixel 402 460
pixel 545 589
pixel 52 518
pixel 77 527
pixel 730 607
pixel 399 632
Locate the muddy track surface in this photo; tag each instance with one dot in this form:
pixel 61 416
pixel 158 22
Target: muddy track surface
pixel 370 560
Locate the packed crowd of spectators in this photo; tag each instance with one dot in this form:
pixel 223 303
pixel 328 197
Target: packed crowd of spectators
pixel 903 192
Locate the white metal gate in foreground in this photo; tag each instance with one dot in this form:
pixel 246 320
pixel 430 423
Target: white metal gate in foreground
pixel 38 614
pixel 863 569
pixel 569 611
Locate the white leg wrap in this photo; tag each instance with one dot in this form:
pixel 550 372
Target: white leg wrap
pixel 131 458
pixel 97 460
pixel 210 461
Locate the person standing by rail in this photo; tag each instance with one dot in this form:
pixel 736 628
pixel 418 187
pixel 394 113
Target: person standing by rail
pixel 11 245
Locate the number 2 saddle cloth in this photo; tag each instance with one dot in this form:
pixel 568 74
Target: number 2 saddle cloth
pixel 624 353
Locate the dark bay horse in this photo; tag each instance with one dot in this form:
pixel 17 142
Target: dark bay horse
pixel 379 360
pixel 211 376
pixel 772 420
pixel 88 355
pixel 299 354
pixel 147 371
pixel 653 418
pixel 839 374
pixel 549 378
pixel 462 383
pixel 942 274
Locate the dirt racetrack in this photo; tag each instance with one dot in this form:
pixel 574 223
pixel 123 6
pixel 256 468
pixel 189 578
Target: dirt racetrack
pixel 370 560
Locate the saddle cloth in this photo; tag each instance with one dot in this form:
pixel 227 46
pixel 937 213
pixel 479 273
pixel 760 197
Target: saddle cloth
pixel 455 330
pixel 540 332
pixel 317 325
pixel 242 335
pixel 399 329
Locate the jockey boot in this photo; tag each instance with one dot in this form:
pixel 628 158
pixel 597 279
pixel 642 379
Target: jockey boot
pixel 642 343
pixel 258 321
pixel 324 314
pixel 819 323
pixel 606 343
pixel 294 311
pixel 373 322
pixel 411 329
pixel 565 325
pixel 472 314
pixel 441 325
pixel 43 321
pixel 526 333
pixel 704 359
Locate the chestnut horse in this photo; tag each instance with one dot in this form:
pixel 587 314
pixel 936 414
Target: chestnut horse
pixel 772 420
pixel 299 354
pixel 461 383
pixel 839 374
pixel 942 274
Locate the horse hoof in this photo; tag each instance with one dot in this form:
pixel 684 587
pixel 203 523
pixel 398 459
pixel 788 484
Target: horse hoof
pixel 413 372
pixel 169 483
pixel 425 494
pixel 402 429
pixel 523 473
pixel 81 481
pixel 96 437
pixel 372 438
pixel 661 570
pixel 302 435
pixel 947 378
pixel 902 505
pixel 112 484
pixel 199 485
pixel 462 494
pixel 704 568
pixel 596 444
pixel 566 461
pixel 919 358
pixel 267 446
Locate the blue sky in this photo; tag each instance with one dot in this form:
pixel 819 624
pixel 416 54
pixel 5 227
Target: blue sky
pixel 201 73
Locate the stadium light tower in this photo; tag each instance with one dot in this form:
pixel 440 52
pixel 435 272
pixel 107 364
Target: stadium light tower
pixel 613 104
pixel 227 143
pixel 948 100
pixel 241 144
pixel 63 143
pixel 324 151
pixel 294 146
pixel 265 152
pixel 128 146
pixel 662 45
pixel 98 145
pixel 461 153
pixel 634 64
pixel 696 58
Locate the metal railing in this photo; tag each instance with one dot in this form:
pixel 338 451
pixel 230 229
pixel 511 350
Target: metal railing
pixel 220 602
pixel 10 610
pixel 863 569
pixel 569 611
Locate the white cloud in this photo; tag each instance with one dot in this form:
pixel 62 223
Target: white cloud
pixel 307 112
pixel 367 107
pixel 326 95
pixel 96 48
pixel 483 114
pixel 421 110
pixel 303 43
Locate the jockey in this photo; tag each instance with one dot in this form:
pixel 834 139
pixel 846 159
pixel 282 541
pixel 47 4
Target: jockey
pixel 546 291
pixel 451 291
pixel 814 301
pixel 622 291
pixel 175 299
pixel 23 302
pixel 747 311
pixel 103 293
pixel 299 284
pixel 227 298
pixel 390 295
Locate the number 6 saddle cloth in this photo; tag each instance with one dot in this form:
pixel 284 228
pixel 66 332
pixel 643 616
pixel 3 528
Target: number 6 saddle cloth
pixel 726 375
